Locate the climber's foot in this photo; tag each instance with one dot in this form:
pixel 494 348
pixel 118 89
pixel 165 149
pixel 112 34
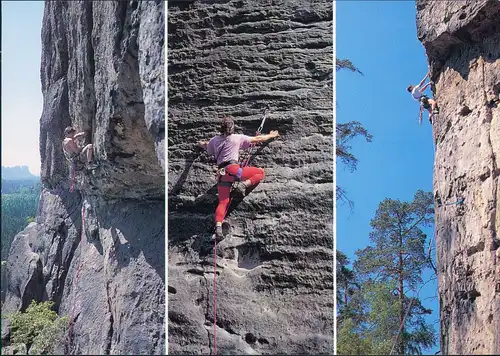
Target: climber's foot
pixel 91 166
pixel 218 236
pixel 241 189
pixel 226 228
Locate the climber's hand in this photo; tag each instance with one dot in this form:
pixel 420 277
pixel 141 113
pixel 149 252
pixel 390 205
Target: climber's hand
pixel 274 134
pixel 202 144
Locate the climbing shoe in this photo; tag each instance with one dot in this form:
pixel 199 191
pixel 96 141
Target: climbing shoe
pixel 91 166
pixel 218 233
pixel 241 189
pixel 436 111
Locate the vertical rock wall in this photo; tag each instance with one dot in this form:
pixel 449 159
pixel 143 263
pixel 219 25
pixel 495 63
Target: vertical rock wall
pixel 99 252
pixel 462 41
pixel 274 286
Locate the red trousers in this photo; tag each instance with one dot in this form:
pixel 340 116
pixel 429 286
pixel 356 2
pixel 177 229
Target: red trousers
pixel 254 174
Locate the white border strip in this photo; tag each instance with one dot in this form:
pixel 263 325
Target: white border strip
pixel 165 72
pixel 334 86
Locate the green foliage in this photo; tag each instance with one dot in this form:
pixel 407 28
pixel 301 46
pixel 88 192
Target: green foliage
pixel 346 64
pixel 398 250
pixel 345 133
pixel 18 209
pixel 349 297
pixel 350 341
pixel 16 185
pixel 375 312
pixel 38 327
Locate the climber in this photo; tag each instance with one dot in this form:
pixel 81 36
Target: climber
pixel 73 151
pixel 425 102
pixel 225 148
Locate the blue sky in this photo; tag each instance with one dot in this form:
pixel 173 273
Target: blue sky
pixel 21 87
pixel 380 39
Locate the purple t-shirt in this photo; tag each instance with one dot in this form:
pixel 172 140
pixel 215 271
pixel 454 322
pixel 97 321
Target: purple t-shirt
pixel 227 148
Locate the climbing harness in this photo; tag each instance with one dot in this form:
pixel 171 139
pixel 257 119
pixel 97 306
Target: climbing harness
pixel 230 183
pixel 77 278
pixel 231 179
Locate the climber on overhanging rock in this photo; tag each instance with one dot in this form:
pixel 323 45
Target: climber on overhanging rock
pixel 425 102
pixel 73 151
pixel 225 148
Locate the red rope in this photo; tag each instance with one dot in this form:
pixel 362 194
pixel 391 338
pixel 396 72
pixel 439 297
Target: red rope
pixel 215 294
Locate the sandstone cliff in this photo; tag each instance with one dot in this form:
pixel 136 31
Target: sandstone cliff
pixel 274 286
pixel 462 41
pixel 102 71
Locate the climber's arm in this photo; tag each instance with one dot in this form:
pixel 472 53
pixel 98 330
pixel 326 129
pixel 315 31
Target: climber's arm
pixel 263 138
pixel 203 144
pixel 423 80
pixel 424 87
pixel 80 134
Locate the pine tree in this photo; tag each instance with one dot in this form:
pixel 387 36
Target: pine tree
pixel 345 133
pixel 397 258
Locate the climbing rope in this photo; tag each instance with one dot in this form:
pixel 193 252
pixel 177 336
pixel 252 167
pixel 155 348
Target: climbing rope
pixel 215 296
pixel 77 278
pixel 244 163
pixel 459 201
pixel 251 152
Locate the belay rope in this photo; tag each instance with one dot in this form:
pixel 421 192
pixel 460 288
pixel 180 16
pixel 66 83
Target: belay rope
pixel 77 277
pixel 244 163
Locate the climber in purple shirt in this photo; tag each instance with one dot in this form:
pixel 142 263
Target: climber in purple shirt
pixel 225 148
pixel 417 92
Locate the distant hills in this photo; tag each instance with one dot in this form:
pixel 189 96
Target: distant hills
pixel 18 173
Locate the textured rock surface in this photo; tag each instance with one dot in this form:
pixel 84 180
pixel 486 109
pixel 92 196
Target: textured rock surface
pixel 462 39
pixel 275 272
pixel 102 71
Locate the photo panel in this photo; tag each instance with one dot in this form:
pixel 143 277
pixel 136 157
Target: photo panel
pixel 250 177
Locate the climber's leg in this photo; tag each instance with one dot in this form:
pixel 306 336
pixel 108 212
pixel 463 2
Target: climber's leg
pixel 88 151
pixel 249 176
pixel 224 191
pixel 426 104
pixel 434 107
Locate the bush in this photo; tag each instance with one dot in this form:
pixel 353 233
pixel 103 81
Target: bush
pixel 38 327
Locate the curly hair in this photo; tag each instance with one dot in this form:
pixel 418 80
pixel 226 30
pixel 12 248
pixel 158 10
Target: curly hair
pixel 227 126
pixel 69 130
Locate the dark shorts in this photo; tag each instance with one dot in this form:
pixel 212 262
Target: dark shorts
pixel 425 102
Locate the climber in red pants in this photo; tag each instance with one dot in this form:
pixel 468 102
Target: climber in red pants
pixel 225 147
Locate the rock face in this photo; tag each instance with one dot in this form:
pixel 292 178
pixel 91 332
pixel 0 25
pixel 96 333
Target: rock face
pixel 462 41
pixel 274 274
pixel 99 252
